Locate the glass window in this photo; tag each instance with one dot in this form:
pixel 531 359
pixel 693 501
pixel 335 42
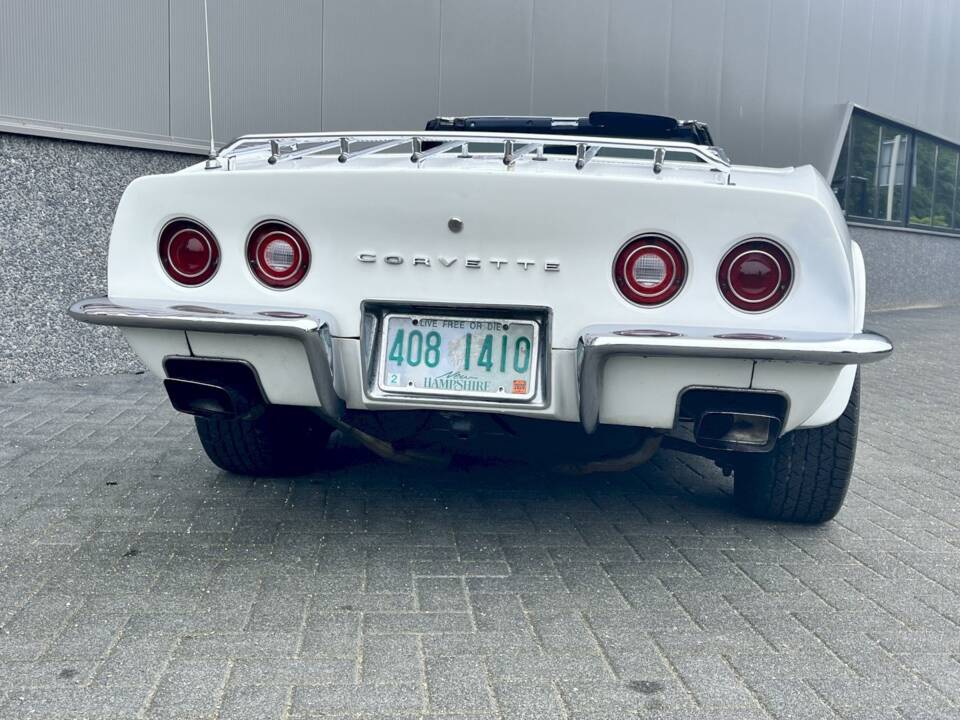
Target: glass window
pixel 921 192
pixel 877 159
pixel 944 190
pixel 878 155
pixel 893 163
pixel 956 206
pixel 839 184
pixel 862 181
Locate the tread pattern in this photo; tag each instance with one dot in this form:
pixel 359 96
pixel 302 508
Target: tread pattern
pixel 281 441
pixel 806 476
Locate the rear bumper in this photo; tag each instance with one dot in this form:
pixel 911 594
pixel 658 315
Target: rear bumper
pixel 597 345
pixel 312 331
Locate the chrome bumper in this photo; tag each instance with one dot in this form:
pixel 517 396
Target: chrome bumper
pixel 597 343
pixel 312 331
pixel 600 342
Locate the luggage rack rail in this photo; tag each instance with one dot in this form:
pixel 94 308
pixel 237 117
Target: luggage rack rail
pixel 275 149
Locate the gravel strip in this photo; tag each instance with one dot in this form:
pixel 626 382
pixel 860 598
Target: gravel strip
pixel 57 201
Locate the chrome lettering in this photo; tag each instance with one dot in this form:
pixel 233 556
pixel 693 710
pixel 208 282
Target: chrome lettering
pixel 473 263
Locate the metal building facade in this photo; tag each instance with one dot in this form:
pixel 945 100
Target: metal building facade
pixel 773 78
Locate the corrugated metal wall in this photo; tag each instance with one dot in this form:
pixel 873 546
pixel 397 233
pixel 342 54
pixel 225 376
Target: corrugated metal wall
pixel 772 77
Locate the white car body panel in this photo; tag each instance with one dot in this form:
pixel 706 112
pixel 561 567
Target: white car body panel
pixel 531 213
pixel 536 234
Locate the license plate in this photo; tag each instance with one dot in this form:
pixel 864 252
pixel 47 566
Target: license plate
pixel 461 357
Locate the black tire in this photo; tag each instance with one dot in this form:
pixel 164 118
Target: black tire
pixel 281 441
pixel 806 475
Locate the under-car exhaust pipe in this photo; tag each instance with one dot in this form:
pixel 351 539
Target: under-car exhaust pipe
pixel 622 463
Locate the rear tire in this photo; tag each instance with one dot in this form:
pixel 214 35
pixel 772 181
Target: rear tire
pixel 280 441
pixel 806 475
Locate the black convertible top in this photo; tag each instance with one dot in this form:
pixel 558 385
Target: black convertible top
pixel 596 124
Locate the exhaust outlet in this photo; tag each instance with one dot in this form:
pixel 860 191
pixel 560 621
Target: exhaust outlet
pixel 748 432
pixel 738 420
pixel 211 387
pixel 197 398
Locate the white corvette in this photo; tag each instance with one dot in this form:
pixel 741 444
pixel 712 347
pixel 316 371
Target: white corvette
pixel 453 289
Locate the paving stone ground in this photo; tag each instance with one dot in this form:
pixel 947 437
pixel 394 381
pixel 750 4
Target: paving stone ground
pixel 137 581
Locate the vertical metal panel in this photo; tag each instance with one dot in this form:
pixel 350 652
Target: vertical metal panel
pixel 952 80
pixel 772 77
pixel 696 49
pixel 380 63
pixel 783 100
pixel 188 91
pixel 820 109
pixel 856 35
pixel 568 77
pixel 266 61
pixel 485 56
pixel 99 64
pixel 908 86
pixel 638 51
pixel 933 86
pixel 884 50
pixel 746 29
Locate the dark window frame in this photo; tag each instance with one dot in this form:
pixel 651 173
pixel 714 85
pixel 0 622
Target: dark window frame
pixel 908 170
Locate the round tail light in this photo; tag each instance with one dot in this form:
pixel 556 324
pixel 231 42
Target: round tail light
pixel 188 252
pixel 278 254
pixel 649 270
pixel 755 275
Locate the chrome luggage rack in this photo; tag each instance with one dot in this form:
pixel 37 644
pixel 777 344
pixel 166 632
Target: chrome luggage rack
pixel 276 149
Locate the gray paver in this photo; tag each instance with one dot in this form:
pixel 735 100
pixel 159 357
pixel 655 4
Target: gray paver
pixel 254 702
pixel 137 581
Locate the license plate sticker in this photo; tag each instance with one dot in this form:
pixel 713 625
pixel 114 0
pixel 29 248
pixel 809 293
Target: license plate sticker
pixel 489 358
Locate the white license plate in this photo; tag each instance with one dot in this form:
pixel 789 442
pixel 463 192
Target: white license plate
pixel 459 356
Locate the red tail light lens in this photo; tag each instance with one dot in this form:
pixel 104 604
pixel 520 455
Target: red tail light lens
pixel 188 252
pixel 278 254
pixel 755 275
pixel 650 270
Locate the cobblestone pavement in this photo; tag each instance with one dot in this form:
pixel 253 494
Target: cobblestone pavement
pixel 138 581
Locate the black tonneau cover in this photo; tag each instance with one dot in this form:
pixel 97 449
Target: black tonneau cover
pixel 597 124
